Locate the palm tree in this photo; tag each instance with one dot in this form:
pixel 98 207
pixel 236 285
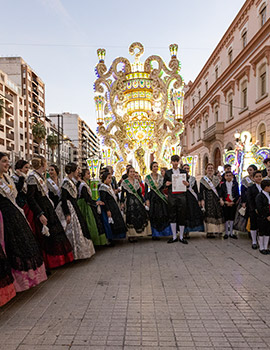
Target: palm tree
pixel 52 142
pixel 39 133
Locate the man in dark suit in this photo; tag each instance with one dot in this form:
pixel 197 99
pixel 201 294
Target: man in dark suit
pixel 176 201
pixel 266 162
pixel 263 209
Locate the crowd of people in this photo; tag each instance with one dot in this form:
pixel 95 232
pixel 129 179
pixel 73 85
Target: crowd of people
pixel 45 224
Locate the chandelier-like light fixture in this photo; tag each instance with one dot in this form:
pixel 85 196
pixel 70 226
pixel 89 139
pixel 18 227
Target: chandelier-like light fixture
pixel 139 106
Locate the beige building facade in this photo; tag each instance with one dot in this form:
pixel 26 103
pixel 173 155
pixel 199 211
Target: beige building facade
pixel 12 128
pixel 33 92
pixel 231 93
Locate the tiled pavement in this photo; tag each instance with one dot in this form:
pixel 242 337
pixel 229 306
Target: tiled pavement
pixel 211 294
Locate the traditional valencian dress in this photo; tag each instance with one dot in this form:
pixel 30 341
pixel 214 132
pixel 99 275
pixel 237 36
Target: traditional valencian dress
pixel 158 211
pixel 240 221
pixel 7 289
pixel 77 230
pixel 21 186
pixel 117 229
pixel 56 248
pixel 214 220
pixel 21 247
pixel 88 209
pixel 136 215
pixel 194 212
pixel 54 191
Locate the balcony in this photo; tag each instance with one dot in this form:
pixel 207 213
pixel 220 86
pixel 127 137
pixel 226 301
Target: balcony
pixel 9 97
pixel 10 136
pixel 35 101
pixel 10 148
pixel 9 110
pixel 10 123
pixel 214 132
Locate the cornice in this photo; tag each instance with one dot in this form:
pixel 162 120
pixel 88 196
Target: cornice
pixel 215 100
pixel 243 72
pixel 265 52
pixel 224 40
pixel 243 23
pixel 228 87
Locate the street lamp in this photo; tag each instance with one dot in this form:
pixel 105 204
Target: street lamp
pixel 237 135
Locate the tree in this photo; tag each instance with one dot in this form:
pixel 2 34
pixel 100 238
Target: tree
pixel 39 133
pixel 52 142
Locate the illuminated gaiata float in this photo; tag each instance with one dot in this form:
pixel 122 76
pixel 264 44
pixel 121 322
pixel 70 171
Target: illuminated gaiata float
pixel 139 109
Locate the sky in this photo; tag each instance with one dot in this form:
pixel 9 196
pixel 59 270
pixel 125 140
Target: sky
pixel 59 39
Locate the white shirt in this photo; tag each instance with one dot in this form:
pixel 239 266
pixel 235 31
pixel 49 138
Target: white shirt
pixel 176 171
pixel 259 187
pixel 229 185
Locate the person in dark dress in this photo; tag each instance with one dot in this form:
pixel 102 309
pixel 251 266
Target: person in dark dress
pixel 157 203
pixel 252 193
pixel 71 217
pixel 177 202
pixel 210 202
pixel 263 209
pixel 137 220
pixel 19 178
pixel 56 248
pixel 89 209
pixel 229 195
pixel 7 289
pixel 114 223
pixel 21 247
pixel 194 221
pixel 54 185
pixel 266 163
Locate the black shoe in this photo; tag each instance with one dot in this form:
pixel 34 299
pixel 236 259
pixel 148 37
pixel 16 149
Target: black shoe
pixel 233 236
pixel 110 244
pixel 254 246
pixel 210 235
pixel 131 240
pixel 184 241
pixel 156 238
pixel 267 251
pixel 171 240
pixel 225 236
pixel 48 273
pixel 264 252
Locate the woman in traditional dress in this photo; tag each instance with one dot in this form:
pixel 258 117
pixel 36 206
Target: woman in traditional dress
pixel 21 248
pixel 241 216
pixel 157 204
pixel 71 216
pixel 56 249
pixel 114 222
pixel 53 184
pixel 19 178
pixel 136 215
pixel 210 202
pixel 194 212
pixel 88 208
pixel 7 289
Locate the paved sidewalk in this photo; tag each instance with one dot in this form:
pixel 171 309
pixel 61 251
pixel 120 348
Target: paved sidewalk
pixel 211 294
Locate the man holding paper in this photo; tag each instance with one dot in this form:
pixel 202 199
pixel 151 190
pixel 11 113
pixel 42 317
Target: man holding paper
pixel 175 180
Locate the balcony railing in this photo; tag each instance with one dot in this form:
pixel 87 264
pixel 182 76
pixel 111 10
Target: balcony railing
pixel 10 136
pixel 10 148
pixel 10 123
pixel 213 130
pixel 9 97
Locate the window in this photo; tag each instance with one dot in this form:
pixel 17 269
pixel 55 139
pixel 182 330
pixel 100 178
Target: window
pixel 244 94
pixel 199 131
pixel 263 15
pixel 216 72
pixel 230 56
pixel 193 102
pixel 230 106
pixel 199 94
pixel 262 80
pixel 216 114
pixel 244 39
pixel 262 135
pixel 193 135
pixel 206 86
pixel 206 122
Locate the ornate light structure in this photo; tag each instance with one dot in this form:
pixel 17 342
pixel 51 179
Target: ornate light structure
pixel 139 106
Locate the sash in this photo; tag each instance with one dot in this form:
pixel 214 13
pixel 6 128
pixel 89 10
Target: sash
pixel 108 189
pixel 150 182
pixel 191 181
pixel 53 187
pixel 39 181
pixel 82 184
pixel 8 190
pixel 130 188
pixel 70 187
pixel 210 185
pixel 246 181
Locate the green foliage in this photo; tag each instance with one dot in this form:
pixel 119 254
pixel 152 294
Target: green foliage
pixel 39 132
pixel 52 141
